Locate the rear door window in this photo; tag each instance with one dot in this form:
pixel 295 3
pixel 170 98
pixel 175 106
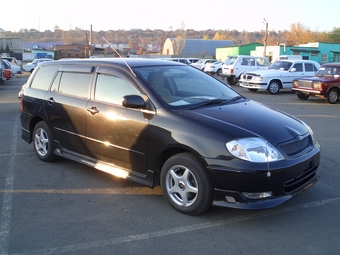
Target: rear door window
pixel 310 67
pixel 75 84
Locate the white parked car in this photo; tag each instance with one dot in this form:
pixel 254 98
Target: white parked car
pixel 213 68
pixel 193 60
pixel 279 75
pixel 235 66
pixel 12 60
pixel 29 67
pixel 200 64
pixel 180 60
pixel 15 69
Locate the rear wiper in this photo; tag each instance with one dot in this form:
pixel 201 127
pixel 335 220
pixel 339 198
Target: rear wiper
pixel 216 102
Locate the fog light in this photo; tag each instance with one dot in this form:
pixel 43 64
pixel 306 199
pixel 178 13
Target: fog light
pixel 230 199
pixel 258 195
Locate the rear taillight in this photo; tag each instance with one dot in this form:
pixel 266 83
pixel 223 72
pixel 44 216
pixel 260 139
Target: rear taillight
pixel 231 71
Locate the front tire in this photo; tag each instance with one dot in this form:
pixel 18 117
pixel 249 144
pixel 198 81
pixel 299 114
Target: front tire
pixel 252 90
pixel 186 184
pixel 302 96
pixel 43 142
pixel 332 96
pixel 274 87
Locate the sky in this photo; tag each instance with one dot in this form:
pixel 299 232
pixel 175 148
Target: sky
pixel 248 15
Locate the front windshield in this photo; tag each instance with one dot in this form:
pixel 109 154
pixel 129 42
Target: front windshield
pixel 281 65
pixel 328 70
pixel 185 86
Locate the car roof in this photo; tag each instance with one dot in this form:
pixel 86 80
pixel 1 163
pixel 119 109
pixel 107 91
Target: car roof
pixel 132 62
pixel 332 64
pixel 297 60
pixel 243 56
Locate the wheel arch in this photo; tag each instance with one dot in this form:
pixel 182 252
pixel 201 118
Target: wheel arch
pixel 166 154
pixel 277 80
pixel 337 88
pixel 33 123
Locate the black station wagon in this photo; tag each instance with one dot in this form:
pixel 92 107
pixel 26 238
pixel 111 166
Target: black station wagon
pixel 163 123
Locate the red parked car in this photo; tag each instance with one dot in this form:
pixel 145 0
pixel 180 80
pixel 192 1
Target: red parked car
pixel 6 72
pixel 325 84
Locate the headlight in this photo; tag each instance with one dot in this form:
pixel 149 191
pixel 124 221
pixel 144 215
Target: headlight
pixel 317 85
pixel 254 149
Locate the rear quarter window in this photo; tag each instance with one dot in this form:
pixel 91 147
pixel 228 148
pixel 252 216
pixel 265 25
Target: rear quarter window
pixel 43 77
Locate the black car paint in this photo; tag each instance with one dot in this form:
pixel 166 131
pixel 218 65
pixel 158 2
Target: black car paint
pixel 161 132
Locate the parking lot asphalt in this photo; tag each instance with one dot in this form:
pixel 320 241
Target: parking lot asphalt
pixel 67 208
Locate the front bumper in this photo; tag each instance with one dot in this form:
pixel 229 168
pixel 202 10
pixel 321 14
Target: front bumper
pixel 286 179
pixel 253 85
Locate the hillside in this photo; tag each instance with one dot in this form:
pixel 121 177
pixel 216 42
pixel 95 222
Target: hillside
pixel 298 34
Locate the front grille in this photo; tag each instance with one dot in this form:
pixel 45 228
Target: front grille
pixel 248 76
pixel 309 173
pixel 297 146
pixel 304 84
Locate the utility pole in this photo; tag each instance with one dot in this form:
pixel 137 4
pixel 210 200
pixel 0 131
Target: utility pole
pixel 265 38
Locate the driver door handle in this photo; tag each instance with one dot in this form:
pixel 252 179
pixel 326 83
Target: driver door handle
pixel 93 110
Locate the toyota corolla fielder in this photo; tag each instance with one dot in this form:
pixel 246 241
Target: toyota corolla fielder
pixel 165 123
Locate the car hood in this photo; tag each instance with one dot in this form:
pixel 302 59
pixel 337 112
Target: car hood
pixel 269 73
pixel 249 119
pixel 320 78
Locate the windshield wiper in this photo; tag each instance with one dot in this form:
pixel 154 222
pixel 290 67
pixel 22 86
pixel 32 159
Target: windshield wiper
pixel 216 102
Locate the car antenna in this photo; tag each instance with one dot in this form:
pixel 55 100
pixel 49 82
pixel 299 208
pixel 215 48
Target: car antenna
pixel 119 56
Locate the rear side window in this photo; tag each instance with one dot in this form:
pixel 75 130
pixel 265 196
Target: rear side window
pixel 75 84
pixel 44 76
pixel 310 67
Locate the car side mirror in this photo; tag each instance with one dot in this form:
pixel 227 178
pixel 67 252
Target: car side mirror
pixel 293 70
pixel 133 101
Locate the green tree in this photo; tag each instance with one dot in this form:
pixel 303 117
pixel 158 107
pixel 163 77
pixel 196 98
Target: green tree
pixel 334 36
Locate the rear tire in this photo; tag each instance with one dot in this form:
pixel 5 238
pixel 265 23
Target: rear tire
pixel 43 142
pixel 218 72
pixel 232 81
pixel 186 184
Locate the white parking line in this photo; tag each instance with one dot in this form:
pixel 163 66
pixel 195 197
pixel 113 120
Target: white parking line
pixel 6 209
pixel 167 232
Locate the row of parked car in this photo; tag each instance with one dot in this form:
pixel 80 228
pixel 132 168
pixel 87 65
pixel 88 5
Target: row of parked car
pixel 11 66
pixel 305 77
